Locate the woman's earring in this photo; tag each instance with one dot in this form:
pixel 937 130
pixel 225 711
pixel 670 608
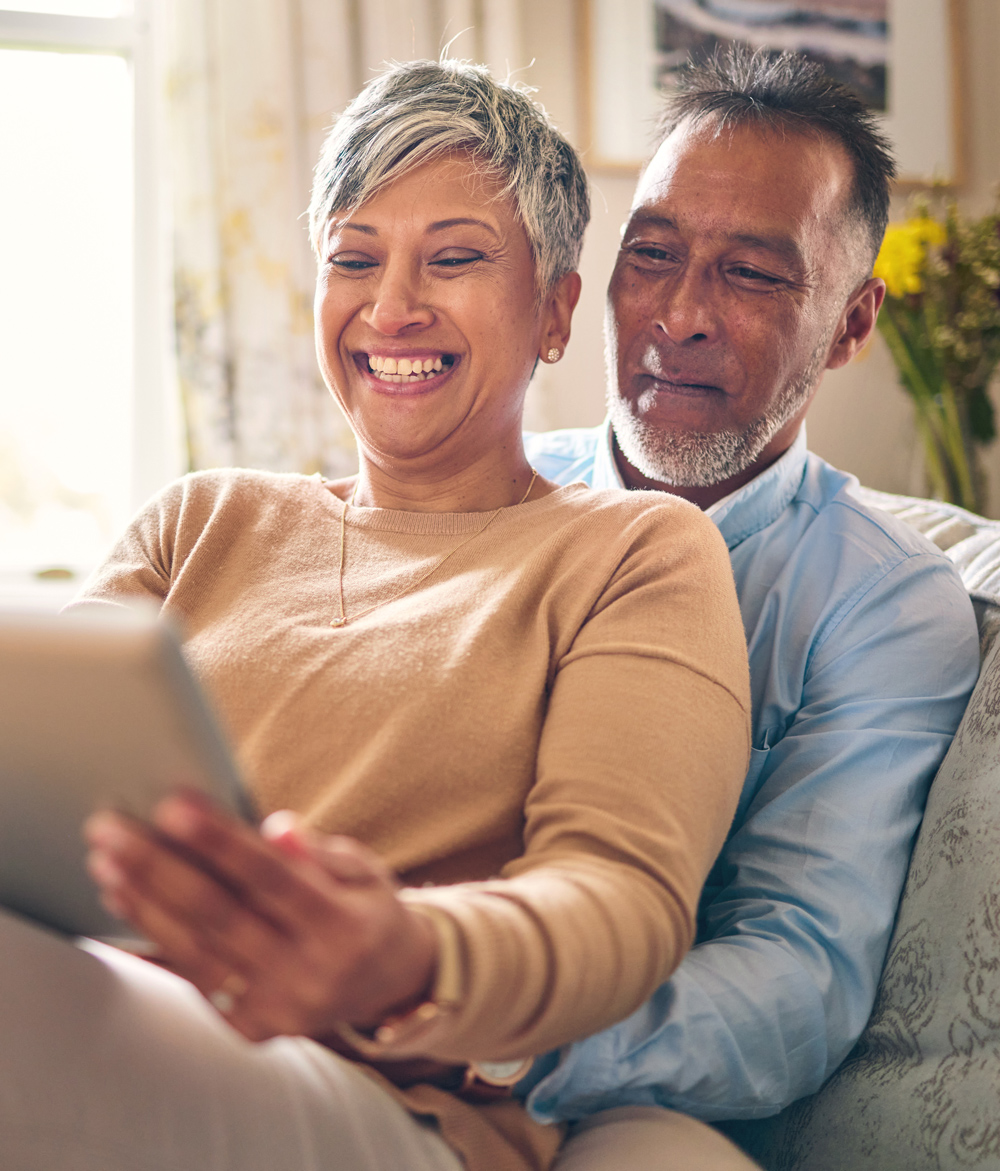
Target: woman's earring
pixel 554 354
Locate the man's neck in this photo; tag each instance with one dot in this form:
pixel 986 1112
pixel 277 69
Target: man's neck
pixel 703 497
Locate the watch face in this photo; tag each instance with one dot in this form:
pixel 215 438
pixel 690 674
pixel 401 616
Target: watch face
pixel 501 1073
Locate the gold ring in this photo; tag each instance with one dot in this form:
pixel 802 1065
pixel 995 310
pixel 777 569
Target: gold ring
pixel 224 998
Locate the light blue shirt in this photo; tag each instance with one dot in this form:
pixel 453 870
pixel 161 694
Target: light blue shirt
pixel 863 652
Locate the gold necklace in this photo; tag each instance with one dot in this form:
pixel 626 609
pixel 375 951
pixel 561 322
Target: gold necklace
pixel 342 620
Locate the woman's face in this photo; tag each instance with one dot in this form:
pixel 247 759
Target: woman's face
pixel 427 326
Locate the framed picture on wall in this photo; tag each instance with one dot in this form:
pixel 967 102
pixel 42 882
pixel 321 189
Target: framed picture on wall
pixel 900 56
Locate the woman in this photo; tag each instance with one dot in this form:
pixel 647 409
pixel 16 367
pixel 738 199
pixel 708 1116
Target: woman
pixel 528 702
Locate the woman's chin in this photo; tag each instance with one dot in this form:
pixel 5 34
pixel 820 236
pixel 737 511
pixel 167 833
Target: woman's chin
pixel 399 447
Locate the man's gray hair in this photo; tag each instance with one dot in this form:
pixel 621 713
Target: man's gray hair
pixel 786 91
pixel 419 111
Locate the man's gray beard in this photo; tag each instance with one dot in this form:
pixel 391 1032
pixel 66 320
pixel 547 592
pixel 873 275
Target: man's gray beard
pixel 699 459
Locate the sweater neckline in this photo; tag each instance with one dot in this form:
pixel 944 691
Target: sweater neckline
pixel 446 523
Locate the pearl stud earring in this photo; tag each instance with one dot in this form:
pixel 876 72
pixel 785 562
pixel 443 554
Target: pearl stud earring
pixel 554 354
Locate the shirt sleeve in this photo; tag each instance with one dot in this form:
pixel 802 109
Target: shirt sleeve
pixel 799 908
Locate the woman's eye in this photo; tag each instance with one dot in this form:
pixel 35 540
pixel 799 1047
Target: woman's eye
pixel 456 259
pixel 352 263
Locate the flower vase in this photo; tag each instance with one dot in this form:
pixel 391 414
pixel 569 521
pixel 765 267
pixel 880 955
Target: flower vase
pixel 951 458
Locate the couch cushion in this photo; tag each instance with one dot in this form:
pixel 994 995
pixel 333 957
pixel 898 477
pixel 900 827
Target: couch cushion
pixel 922 1087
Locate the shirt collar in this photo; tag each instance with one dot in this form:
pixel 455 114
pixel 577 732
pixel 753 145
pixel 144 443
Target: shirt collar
pixel 743 512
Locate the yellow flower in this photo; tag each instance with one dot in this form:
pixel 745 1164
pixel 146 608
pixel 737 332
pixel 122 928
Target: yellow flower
pixel 903 254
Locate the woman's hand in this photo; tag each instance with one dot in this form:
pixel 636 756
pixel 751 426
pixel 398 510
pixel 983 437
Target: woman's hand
pixel 299 931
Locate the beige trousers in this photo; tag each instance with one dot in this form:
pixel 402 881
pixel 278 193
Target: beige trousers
pixel 646 1138
pixel 108 1063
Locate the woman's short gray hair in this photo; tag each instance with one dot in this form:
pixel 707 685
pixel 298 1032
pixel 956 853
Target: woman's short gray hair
pixel 421 110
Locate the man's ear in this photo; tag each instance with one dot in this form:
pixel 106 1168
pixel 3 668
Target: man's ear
pixel 856 323
pixel 557 315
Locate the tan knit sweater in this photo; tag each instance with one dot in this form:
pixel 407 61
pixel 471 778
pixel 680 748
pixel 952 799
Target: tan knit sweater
pixel 551 727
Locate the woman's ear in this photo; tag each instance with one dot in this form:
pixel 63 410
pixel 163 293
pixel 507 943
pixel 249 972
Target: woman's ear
pixel 557 315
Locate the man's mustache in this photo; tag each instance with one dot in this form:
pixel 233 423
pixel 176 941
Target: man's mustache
pixel 666 368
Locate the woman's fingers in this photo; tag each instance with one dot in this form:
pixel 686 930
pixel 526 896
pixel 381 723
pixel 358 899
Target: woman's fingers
pixel 228 970
pixel 187 910
pixel 215 903
pixel 345 859
pixel 288 890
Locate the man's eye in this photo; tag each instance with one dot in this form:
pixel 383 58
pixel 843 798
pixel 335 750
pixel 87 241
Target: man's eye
pixel 745 273
pixel 650 252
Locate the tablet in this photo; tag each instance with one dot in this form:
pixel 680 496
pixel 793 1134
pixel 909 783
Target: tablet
pixel 98 710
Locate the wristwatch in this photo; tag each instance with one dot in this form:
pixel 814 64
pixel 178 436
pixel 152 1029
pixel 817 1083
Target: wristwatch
pixel 486 1081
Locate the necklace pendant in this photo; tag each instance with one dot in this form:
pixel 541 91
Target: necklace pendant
pixel 338 622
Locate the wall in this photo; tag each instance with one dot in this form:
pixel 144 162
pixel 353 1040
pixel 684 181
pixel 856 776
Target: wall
pixel 861 420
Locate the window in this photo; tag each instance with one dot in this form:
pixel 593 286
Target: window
pixel 86 427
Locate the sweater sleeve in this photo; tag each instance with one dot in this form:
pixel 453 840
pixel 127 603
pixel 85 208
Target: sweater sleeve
pixel 643 752
pixel 140 566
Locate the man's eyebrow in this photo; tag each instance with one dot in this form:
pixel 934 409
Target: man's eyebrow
pixel 366 228
pixel 784 246
pixel 647 219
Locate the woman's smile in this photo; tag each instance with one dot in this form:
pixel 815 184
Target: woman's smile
pixel 419 370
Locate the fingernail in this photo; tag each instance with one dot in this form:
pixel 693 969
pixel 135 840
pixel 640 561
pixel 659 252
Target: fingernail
pixel 284 821
pixel 178 816
pixel 105 830
pixel 104 870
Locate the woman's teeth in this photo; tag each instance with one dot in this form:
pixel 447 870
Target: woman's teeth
pixel 408 369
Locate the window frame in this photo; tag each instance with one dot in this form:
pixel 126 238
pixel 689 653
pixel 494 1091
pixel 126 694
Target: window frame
pixel 155 425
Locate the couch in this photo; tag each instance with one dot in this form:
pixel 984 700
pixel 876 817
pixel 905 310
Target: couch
pixel 921 1089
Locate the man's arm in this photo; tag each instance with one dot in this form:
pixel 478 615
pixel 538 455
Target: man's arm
pixel 800 905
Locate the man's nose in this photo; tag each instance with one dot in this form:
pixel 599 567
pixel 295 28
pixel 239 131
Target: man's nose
pixel 399 303
pixel 686 312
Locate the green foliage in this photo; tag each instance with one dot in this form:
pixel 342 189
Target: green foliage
pixel 941 320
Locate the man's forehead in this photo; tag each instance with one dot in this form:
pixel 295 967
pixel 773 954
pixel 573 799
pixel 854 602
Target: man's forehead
pixel 761 164
pixel 766 187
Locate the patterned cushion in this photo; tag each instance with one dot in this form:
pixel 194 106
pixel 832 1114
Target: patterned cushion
pixel 921 1089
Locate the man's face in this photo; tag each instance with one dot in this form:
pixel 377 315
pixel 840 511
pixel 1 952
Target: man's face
pixel 731 286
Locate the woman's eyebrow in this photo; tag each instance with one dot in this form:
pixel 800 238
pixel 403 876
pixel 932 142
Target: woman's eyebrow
pixel 437 226
pixel 440 225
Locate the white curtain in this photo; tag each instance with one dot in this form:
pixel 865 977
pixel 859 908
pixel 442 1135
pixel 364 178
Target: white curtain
pixel 251 87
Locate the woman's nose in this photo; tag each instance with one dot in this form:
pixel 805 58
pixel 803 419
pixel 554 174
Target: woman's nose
pixel 686 311
pixel 398 304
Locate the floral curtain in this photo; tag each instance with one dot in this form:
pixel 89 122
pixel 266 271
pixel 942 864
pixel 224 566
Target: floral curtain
pixel 251 87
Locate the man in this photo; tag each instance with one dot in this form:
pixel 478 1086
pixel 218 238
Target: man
pixel 744 273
